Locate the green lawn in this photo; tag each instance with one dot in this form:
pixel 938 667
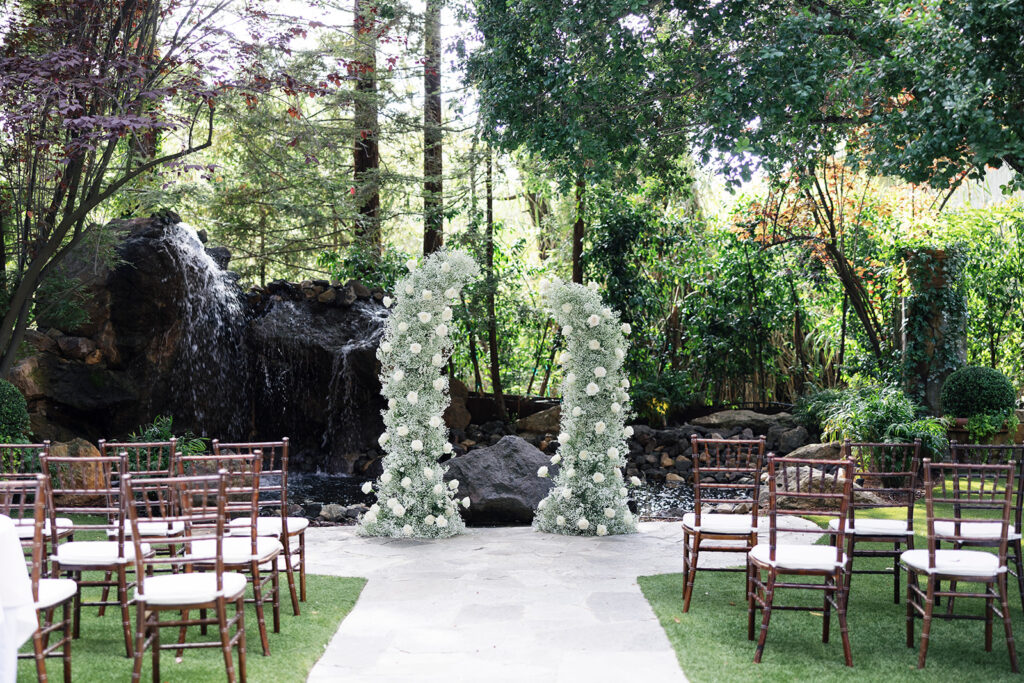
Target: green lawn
pixel 711 639
pixel 99 654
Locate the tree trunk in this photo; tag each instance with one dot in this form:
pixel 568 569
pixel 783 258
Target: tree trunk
pixel 492 285
pixel 366 156
pixel 433 191
pixel 578 230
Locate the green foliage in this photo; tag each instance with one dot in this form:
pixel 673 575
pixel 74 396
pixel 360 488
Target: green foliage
pixel 364 263
pixel 654 397
pixel 14 421
pixel 873 413
pixel 976 390
pixel 161 429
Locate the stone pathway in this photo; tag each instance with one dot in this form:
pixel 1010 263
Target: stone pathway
pixel 504 604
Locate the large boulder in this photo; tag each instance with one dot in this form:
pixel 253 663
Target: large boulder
pixel 85 476
pixel 738 419
pixel 818 451
pixel 806 480
pixel 544 422
pixel 456 415
pixel 501 481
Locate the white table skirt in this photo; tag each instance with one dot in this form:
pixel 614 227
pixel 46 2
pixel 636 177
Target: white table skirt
pixel 17 615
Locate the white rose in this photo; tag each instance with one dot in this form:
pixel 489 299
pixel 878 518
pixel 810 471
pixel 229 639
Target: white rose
pixel 386 301
pixel 566 308
pixel 435 421
pixel 577 411
pixel 555 459
pixel 618 474
pixel 403 327
pixel 402 430
pixel 584 455
pixel 383 438
pixel 398 375
pixel 411 265
pixel 385 347
pixel 407 530
pixel 542 472
pixel 560 520
pixel 392 403
pixel 453 484
pixel 427 295
pixel 594 320
pixel 370 517
pixel 375 508
pixel 600 372
pixel 600 427
pixel 451 293
pixel 429 520
pixel 406 483
pixel 441 330
pixel 386 477
pixel 367 487
pixel 442 522
pixel 567 493
pixel 627 517
pixel 620 354
pixel 624 383
pixel 613 452
pixel 446 267
pixel 398 510
pixel 564 357
pixel 570 472
pixel 439 384
pixel 566 330
pixel 583 524
pixel 563 437
pixel 616 407
pixel 623 491
pixel 428 473
pixel 635 481
pixel 606 312
pixel 592 389
pixel 593 345
pixel 416 445
pixel 438 489
pixel 602 530
pixel 412 397
pixel 415 348
pixel 609 513
pixel 446 314
pixel 447 447
pixel 465 502
pixel 627 430
pixel 542 504
pixel 626 329
pixel 598 478
pixel 437 360
pixel 424 316
pixel 570 378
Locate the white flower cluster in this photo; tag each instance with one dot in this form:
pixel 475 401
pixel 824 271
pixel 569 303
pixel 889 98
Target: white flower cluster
pixel 589 494
pixel 412 497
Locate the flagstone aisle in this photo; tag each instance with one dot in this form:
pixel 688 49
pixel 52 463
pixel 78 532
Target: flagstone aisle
pixel 504 604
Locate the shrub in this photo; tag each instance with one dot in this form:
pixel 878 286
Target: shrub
pixel 14 423
pixel 976 390
pixel 161 429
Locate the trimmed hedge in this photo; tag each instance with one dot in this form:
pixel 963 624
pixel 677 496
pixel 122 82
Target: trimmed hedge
pixel 976 390
pixel 14 423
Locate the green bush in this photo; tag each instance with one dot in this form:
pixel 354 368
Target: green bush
pixel 161 429
pixel 14 424
pixel 976 390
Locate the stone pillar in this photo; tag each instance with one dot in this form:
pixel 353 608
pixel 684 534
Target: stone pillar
pixel 934 323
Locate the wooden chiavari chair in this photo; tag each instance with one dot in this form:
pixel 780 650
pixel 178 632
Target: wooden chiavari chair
pixel 93 486
pixel 887 471
pixel 198 505
pixel 291 531
pixel 22 460
pixel 799 487
pixel 970 491
pixel 24 499
pixel 248 553
pixel 724 471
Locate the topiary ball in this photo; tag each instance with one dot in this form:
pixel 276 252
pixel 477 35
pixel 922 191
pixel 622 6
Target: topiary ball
pixel 976 390
pixel 13 412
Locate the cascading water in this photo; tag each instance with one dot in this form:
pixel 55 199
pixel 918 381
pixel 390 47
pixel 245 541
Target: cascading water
pixel 210 385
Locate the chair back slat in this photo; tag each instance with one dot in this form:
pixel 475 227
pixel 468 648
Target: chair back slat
pixel 242 482
pixel 723 466
pixel 144 458
pixel 995 454
pixel 24 498
pixel 90 485
pixel 796 484
pixel 22 458
pixel 889 471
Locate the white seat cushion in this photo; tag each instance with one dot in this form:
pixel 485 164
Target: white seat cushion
pixel 716 523
pixel 152 528
pixel 55 591
pixel 809 557
pixel 875 527
pixel 99 553
pixel 238 550
pixel 190 589
pixel 955 562
pixel 268 526
pixel 26 528
pixel 985 531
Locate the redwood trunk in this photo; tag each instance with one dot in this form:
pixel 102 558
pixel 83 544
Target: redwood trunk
pixel 433 191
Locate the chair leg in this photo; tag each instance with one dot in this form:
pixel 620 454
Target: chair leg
pixel 844 631
pixel 911 585
pixel 751 569
pixel 1003 603
pixel 302 567
pixel 691 574
pixel 895 573
pixel 76 614
pixel 926 625
pixel 990 591
pixel 275 574
pixel 686 563
pixel 240 629
pixel 257 594
pixel 766 616
pixel 155 646
pixel 1019 562
pixel 126 618
pixel 38 647
pixel 65 611
pixel 290 571
pixel 107 580
pixel 140 641
pixel 826 610
pixel 182 630
pixel 225 640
